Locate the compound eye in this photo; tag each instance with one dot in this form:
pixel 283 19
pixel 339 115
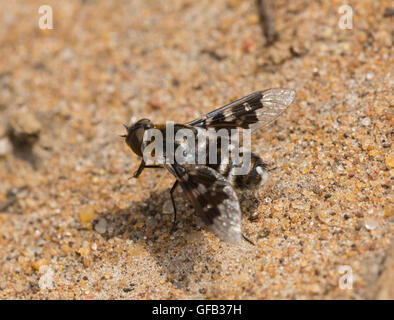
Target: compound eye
pixel 136 140
pixel 139 134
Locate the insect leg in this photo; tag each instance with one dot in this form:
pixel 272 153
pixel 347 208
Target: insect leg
pixel 142 167
pixel 251 242
pixel 139 170
pixel 173 202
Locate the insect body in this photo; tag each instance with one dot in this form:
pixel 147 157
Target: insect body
pixel 209 186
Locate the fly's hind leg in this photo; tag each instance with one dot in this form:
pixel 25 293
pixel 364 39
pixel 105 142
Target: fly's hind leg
pixel 173 204
pixel 247 240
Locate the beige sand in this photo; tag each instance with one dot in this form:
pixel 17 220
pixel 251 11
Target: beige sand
pixel 81 230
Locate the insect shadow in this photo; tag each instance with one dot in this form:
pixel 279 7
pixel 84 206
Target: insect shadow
pixel 25 152
pixel 177 251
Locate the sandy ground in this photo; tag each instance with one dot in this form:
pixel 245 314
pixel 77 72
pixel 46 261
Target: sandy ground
pixel 72 224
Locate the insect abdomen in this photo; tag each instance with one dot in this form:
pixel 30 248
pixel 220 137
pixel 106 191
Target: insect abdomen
pixel 255 176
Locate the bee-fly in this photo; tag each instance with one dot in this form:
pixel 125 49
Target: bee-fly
pixel 209 187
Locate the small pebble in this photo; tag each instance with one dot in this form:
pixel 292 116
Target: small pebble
pixel 38 264
pixel 155 104
pixel 5 146
pixel 101 226
pixel 46 280
pixel 366 122
pixel 86 213
pixel 371 224
pixel 25 127
pixel 390 160
pixel 317 190
pixel 370 76
pixel 167 207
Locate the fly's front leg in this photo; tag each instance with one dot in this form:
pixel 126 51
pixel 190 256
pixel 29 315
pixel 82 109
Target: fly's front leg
pixel 139 170
pixel 142 167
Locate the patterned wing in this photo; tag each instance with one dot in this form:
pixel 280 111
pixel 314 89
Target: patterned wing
pixel 213 198
pixel 251 112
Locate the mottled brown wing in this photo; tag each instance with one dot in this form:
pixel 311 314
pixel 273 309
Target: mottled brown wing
pixel 213 198
pixel 251 112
